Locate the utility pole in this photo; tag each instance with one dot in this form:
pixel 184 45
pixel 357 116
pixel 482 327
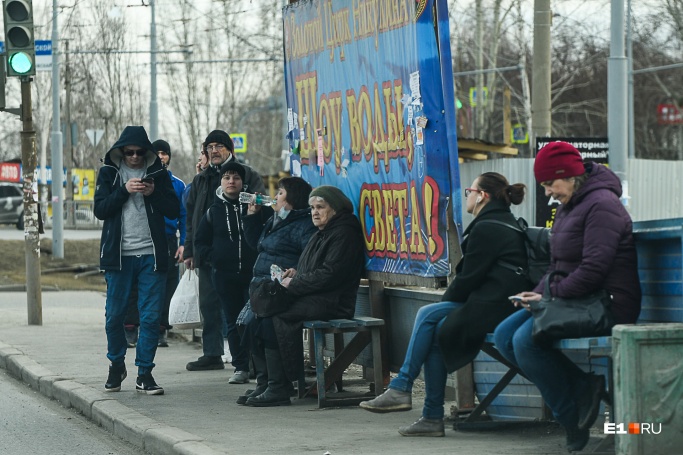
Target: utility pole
pixel 617 96
pixel 479 108
pixel 153 106
pixel 541 120
pixel 56 148
pixel 629 57
pixel 69 152
pixel 32 245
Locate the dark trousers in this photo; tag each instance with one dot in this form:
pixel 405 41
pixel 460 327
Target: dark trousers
pixel 172 279
pixel 233 296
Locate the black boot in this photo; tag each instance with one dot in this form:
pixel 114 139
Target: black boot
pixel 259 360
pixel 577 439
pixel 277 393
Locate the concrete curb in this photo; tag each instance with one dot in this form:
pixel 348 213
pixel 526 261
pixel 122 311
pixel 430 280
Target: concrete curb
pixel 103 409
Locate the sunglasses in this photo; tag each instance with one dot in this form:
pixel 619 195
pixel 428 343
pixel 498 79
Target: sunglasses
pixel 134 152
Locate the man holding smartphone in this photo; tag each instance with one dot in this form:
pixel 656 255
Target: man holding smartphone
pixel 133 195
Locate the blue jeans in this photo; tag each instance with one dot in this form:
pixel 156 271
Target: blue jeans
pixel 233 295
pixel 423 349
pixel 558 378
pixel 150 299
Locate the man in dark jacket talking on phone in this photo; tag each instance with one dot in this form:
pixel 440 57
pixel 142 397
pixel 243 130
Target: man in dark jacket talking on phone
pixel 134 193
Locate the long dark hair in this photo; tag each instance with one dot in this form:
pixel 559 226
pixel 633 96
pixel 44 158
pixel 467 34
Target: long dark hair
pixel 498 187
pixel 297 190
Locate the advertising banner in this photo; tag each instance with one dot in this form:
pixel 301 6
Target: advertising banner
pixel 83 182
pixel 10 172
pixel 594 149
pixel 371 111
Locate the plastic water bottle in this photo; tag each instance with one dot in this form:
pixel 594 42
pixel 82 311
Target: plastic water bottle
pixel 258 199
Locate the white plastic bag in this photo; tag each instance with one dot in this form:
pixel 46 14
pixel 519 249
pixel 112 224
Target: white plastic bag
pixel 183 313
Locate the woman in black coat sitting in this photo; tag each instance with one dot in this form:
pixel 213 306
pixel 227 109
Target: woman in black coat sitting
pixel 449 334
pixel 323 286
pixel 279 241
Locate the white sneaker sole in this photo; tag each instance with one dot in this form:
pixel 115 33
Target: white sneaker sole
pixel 151 392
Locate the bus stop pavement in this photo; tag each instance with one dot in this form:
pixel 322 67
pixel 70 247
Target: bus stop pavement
pixel 65 359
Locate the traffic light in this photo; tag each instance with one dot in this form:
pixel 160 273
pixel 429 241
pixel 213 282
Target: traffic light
pixel 20 49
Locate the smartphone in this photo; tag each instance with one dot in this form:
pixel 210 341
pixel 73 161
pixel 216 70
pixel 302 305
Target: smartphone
pixel 515 299
pixel 148 180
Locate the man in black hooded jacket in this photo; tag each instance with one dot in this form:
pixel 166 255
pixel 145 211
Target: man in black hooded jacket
pixel 134 193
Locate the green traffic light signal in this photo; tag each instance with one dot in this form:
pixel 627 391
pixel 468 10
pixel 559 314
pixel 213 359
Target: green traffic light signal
pixel 20 63
pixel 19 37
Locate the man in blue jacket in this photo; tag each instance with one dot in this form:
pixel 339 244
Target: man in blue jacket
pixel 176 244
pixel 133 195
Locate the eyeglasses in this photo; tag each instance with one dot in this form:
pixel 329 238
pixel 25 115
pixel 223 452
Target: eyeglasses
pixel 134 152
pixel 217 147
pixel 547 183
pixel 469 191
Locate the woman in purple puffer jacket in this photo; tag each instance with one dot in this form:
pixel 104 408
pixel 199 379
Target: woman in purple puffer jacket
pixel 592 241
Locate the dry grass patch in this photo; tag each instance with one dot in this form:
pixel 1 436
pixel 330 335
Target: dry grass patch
pixel 76 252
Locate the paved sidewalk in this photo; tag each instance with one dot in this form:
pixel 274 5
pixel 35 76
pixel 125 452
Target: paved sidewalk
pixel 65 359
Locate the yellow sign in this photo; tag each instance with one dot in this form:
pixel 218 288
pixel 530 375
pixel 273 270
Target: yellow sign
pixel 240 141
pixel 83 181
pixel 473 96
pixel 519 134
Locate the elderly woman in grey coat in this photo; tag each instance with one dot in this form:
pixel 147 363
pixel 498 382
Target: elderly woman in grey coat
pixel 323 286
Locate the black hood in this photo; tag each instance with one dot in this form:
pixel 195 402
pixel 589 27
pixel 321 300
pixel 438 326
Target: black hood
pixel 132 135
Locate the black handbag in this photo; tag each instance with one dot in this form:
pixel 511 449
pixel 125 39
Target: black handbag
pixel 268 298
pixel 556 318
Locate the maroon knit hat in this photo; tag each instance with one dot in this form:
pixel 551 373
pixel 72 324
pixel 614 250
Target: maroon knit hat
pixel 558 160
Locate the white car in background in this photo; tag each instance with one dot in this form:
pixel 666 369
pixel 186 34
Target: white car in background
pixel 11 204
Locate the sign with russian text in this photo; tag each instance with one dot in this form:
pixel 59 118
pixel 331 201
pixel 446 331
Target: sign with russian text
pixel 10 172
pixel 371 111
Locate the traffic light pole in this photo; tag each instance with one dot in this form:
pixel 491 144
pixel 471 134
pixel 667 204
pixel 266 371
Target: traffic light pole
pixel 32 240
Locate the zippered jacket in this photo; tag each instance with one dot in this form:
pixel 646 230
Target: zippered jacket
pixel 592 240
pixel 111 194
pixel 177 224
pixel 203 195
pixel 221 242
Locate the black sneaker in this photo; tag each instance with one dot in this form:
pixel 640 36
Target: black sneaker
pixel 117 373
pixel 206 363
pixel 147 384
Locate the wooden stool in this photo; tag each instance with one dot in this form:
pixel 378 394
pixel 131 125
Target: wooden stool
pixel 367 331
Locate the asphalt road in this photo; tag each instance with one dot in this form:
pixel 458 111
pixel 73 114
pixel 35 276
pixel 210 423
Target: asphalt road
pixel 10 232
pixel 33 424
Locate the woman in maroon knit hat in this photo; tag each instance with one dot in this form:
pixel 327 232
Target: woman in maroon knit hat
pixel 592 241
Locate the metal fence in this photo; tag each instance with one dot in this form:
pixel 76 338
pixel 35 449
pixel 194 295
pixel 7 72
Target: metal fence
pixel 77 215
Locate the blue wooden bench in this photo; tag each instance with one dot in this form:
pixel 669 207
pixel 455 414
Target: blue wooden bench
pixel 367 332
pixel 660 267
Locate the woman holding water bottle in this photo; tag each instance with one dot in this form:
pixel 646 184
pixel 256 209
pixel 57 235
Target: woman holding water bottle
pixel 279 244
pixel 323 286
